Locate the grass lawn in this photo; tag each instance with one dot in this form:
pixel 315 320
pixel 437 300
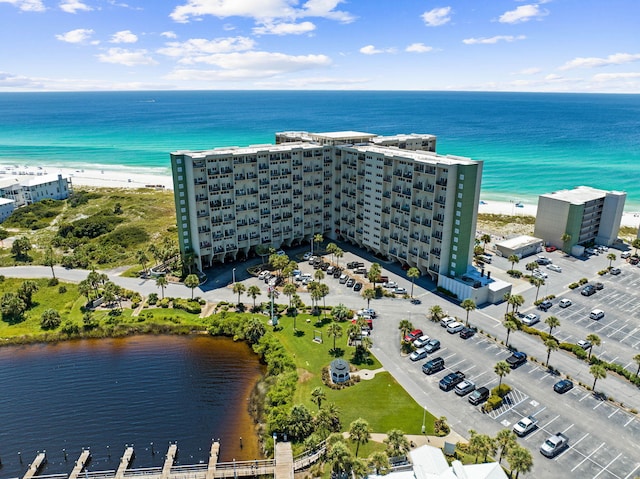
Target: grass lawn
pixel 381 392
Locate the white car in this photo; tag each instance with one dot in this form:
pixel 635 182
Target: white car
pixel 444 322
pixel 400 291
pixel 540 274
pixel 531 319
pixel 418 354
pixel 555 267
pixel 421 341
pixel 565 303
pixel 584 344
pixel 307 256
pixel 454 327
pixel 625 254
pixel 390 284
pixel 596 314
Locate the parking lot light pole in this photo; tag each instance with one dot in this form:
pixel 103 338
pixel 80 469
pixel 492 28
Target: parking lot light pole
pixel 424 417
pixel 233 273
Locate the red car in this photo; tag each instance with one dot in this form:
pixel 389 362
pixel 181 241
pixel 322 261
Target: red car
pixel 550 249
pixel 413 335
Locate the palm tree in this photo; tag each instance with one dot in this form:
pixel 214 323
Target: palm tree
pixel 552 322
pixel 254 330
pixel 143 259
pixel 318 275
pixel 162 282
pixel 468 305
pixel 397 444
pixel 191 281
pixel 334 330
pixel 413 273
pixel 595 340
pixel 513 259
pixel 341 312
pixel 636 245
pixel 296 304
pixel 520 460
pixel 565 238
pixel 253 292
pixel 516 301
pixel 611 257
pixel 481 444
pixel 50 260
pixel 486 239
pixel 239 288
pixel 379 461
pixel 289 290
pixel 331 249
pixel 340 458
pixel 531 266
pixel 338 254
pixel 636 358
pixel 359 432
pixel 505 440
pixel 552 344
pixel 405 327
pixel 374 273
pixel 323 290
pixel 511 326
pixel 598 372
pixel 501 368
pixel 436 313
pixel 317 238
pixel 537 282
pixel 318 395
pixel 507 298
pixel 369 294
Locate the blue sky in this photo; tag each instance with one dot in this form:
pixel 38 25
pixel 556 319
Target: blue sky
pixel 479 45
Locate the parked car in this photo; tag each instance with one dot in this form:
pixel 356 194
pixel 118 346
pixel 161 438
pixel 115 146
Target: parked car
pixel 525 425
pixel 350 282
pixel 444 322
pixel 331 270
pixel 517 359
pixel 625 254
pixel 307 256
pixel 451 380
pixel 357 286
pixel 413 335
pixel 615 271
pixel 400 291
pixel 432 345
pixel 563 386
pixel 418 354
pixel 467 332
pixel 478 396
pixel 415 301
pixel 545 305
pixel 454 327
pixel 565 303
pixel 588 290
pixel 421 342
pixel 281 253
pixel 360 270
pixel 634 260
pixel 337 273
pixel 531 319
pixel 554 445
pixel 550 249
pixel 599 286
pixel 390 284
pixel 543 260
pixel 433 366
pixel 343 278
pixel 465 387
pixel 584 344
pixel 538 273
pixel 554 267
pixel 596 314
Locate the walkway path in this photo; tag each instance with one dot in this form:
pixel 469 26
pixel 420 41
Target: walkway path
pixel 284 461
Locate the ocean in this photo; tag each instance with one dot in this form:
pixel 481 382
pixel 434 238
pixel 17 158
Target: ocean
pixel 531 143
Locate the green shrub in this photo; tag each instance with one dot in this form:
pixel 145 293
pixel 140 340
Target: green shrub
pixel 153 299
pixel 583 281
pixel 126 236
pixel 573 285
pixel 187 305
pixel 502 391
pixel 514 273
pixel 62 289
pixel 494 402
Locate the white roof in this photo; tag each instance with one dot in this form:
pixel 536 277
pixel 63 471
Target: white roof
pixel 578 195
pixel 519 242
pixel 345 134
pixel 8 181
pixel 40 180
pixel 6 201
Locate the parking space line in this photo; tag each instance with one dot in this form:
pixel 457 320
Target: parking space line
pixel 614 411
pixel 605 467
pixel 587 457
pixel 629 421
pixel 598 405
pixel 632 472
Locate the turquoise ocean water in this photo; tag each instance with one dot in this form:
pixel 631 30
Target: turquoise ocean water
pixel 531 143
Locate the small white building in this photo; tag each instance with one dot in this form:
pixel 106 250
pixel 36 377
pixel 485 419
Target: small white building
pixel 522 246
pixel 27 189
pixel 6 208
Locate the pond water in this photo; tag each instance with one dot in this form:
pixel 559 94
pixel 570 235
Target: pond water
pixel 144 391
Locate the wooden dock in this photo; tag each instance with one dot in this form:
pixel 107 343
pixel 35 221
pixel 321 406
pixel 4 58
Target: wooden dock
pixel 80 463
pixel 213 460
pixel 35 466
pixel 124 463
pixel 168 462
pixel 284 461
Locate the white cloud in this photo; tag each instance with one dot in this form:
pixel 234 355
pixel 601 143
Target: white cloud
pixel 27 5
pixel 437 16
pixel 600 77
pixel 192 50
pixel 528 71
pixel 591 62
pixel 260 10
pixel 284 28
pixel 122 56
pixel 319 83
pixel 80 35
pixel 372 50
pixel 169 35
pixel 523 13
pixel 251 65
pixel 74 6
pixel 418 48
pixel 492 40
pixel 124 36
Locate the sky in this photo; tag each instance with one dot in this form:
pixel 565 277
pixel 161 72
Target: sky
pixel 588 46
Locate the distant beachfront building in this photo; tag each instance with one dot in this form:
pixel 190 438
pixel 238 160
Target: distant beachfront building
pixel 394 196
pixel 25 190
pixel 6 208
pixel 581 216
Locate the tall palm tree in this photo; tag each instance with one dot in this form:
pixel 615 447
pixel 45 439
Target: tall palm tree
pixel 289 290
pixel 239 288
pixel 161 282
pixel 253 292
pixel 520 460
pixel 317 238
pixel 486 239
pixel 192 281
pixel 318 395
pixel 537 282
pixel 413 273
pixel 551 344
pixel 595 340
pixel 374 273
pixel 516 300
pixel 405 327
pixel 143 259
pixel 611 257
pixel 501 368
pixel 636 245
pixel 436 313
pixel 636 358
pixel 513 259
pixel 506 298
pixel 296 304
pixel 359 432
pixel 552 322
pixel 396 442
pixel 338 254
pixel 505 440
pixel 50 260
pixel 369 294
pixel 565 238
pixel 598 372
pixel 468 305
pixel 334 330
pixel 511 326
pixel 318 275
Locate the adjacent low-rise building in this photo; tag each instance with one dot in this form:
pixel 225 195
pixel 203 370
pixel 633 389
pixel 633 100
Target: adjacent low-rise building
pixel 581 216
pixel 25 190
pixel 394 196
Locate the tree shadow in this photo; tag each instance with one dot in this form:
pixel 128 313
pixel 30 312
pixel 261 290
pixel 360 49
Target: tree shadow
pixel 298 333
pixel 337 352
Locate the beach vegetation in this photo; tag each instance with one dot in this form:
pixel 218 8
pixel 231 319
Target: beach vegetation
pixel 35 216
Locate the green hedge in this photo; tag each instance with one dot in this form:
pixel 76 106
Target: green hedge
pixel 188 305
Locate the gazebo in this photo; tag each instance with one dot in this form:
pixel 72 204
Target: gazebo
pixel 339 369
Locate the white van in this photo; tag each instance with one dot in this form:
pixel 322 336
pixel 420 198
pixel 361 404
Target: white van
pixel 596 314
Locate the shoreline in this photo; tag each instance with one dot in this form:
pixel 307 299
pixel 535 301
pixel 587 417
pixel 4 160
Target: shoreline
pixel 139 178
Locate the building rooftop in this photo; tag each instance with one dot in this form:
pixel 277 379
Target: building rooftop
pixel 578 195
pixel 417 155
pixel 41 180
pixel 519 242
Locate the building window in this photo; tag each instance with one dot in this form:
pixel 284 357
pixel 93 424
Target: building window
pixel 457 222
pixel 458 213
pixel 454 256
pixel 459 204
pixel 455 248
pixel 460 186
pixel 179 161
pixel 456 231
pixel 184 225
pixel 180 177
pixel 459 196
pixel 183 210
pixel 461 177
pixel 179 167
pixel 181 186
pixel 182 202
pixel 182 194
pixel 455 239
pixel 453 265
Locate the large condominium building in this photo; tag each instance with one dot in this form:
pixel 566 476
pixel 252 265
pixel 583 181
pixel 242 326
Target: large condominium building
pixel 581 216
pixel 390 195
